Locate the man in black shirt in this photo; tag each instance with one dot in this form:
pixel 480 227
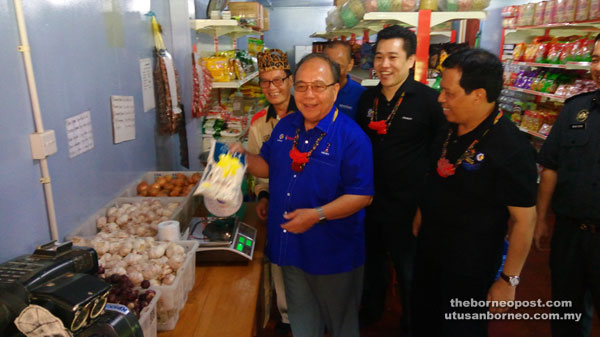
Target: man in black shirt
pixel 571 178
pixel 484 173
pixel 401 117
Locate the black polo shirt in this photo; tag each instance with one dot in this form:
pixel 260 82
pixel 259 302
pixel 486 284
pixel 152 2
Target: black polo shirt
pixel 573 150
pixel 473 202
pixel 400 156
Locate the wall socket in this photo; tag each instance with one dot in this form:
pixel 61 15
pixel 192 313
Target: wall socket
pixel 43 144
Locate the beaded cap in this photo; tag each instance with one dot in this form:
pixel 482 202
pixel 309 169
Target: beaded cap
pixel 273 59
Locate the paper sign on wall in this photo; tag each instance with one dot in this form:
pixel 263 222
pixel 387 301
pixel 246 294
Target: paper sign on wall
pixel 147 84
pixel 123 118
pixel 79 133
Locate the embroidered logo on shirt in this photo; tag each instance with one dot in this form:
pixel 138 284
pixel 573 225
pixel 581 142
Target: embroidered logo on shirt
pixel 582 115
pixel 281 137
pixel 326 151
pixel 480 156
pixel 345 106
pixel 407 118
pixel 370 113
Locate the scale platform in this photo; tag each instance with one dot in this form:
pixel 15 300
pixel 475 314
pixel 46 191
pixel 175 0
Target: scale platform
pixel 222 240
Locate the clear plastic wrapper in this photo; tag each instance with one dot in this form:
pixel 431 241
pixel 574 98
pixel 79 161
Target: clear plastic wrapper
pixel 371 6
pixel 540 8
pixel 583 10
pixel 550 12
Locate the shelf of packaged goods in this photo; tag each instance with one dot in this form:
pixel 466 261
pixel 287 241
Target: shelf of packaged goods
pixel 411 19
pixel 375 21
pixel 591 25
pixel 234 84
pixel 537 93
pixel 218 28
pixel 535 134
pixel 568 65
pixel 362 76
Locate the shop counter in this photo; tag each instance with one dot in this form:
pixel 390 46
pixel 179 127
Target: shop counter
pixel 223 302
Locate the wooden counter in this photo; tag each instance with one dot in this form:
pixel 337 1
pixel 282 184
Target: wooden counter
pixel 224 300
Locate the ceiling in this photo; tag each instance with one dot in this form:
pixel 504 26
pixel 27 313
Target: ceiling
pixel 296 3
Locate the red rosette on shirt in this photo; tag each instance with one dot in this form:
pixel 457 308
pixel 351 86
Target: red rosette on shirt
pixel 299 159
pixel 444 168
pixel 379 126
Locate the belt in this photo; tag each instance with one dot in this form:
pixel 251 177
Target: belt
pixel 585 225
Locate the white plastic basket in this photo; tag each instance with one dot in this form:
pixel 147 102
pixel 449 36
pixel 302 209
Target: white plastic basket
pixel 148 317
pixel 174 295
pixel 150 177
pixel 183 213
pixel 167 323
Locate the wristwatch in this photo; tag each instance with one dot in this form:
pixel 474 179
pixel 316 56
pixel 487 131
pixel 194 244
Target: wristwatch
pixel 512 280
pixel 322 217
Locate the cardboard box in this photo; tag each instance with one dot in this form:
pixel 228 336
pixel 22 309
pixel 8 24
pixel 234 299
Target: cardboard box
pixel 250 10
pixel 265 19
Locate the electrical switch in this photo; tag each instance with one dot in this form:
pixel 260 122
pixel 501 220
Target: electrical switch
pixel 43 144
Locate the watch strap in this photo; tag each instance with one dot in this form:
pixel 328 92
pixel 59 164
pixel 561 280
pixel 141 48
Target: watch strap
pixel 322 217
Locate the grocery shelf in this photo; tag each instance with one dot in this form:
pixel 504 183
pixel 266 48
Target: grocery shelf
pixel 234 84
pixel 218 28
pixel 412 18
pixel 535 134
pixel 580 25
pixel 537 93
pixel 568 65
pixel 362 76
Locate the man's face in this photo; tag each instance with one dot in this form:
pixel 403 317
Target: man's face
pixel 339 55
pixel 274 93
pixel 595 67
pixel 315 105
pixel 457 104
pixel 391 64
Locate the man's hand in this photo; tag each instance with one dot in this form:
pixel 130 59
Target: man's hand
pixel 301 220
pixel 236 148
pixel 541 234
pixel 262 208
pixel 416 224
pixel 501 291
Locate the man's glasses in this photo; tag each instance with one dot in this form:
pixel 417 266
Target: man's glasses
pixel 278 82
pixel 317 86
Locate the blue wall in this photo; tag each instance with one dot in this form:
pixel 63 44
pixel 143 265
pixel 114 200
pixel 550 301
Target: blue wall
pixel 79 63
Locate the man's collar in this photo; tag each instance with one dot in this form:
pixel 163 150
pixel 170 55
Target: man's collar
pixel 409 86
pixel 484 125
pixel 323 124
pixel 271 113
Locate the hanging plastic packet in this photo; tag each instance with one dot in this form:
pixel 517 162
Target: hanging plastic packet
pixel 222 180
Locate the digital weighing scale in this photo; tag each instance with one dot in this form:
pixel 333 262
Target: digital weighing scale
pixel 222 240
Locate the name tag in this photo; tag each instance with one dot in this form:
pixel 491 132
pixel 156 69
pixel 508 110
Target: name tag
pixel 577 126
pixel 407 118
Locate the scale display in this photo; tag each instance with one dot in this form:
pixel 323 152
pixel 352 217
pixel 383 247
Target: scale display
pixel 222 240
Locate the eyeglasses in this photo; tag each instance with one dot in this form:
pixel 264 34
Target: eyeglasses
pixel 278 82
pixel 317 86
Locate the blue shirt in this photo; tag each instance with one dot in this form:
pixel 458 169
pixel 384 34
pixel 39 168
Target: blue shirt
pixel 341 164
pixel 348 96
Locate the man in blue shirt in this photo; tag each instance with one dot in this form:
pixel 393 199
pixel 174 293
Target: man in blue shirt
pixel 320 167
pixel 340 52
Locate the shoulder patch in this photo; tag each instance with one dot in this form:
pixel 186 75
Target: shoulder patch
pixel 258 115
pixel 580 95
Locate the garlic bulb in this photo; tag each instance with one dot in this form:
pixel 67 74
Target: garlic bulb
pixel 174 249
pixel 168 280
pixel 176 261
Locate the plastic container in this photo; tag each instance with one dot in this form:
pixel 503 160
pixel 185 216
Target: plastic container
pixel 183 212
pixel 166 323
pixel 174 295
pixel 150 177
pixel 148 317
